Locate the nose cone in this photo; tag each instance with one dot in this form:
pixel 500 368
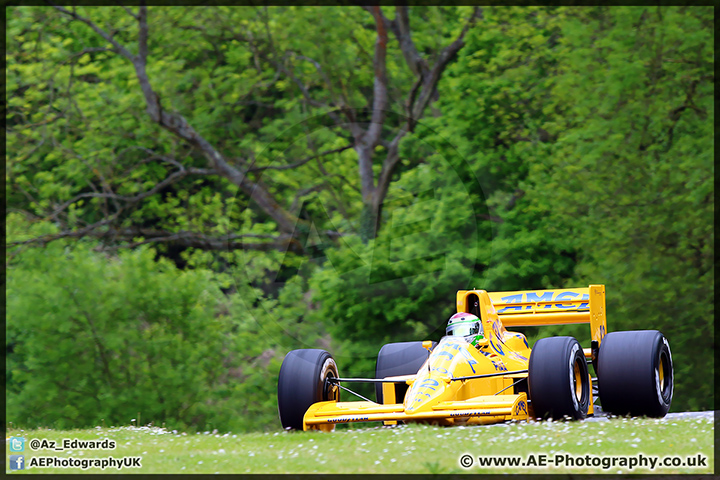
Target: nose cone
pixel 424 393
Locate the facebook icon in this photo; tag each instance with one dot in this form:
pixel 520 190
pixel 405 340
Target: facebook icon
pixel 17 462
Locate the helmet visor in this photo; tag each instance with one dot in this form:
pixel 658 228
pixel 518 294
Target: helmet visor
pixel 463 329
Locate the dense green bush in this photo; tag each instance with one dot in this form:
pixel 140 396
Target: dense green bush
pixel 95 338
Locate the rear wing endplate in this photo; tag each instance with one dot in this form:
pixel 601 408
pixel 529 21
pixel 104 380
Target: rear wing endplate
pixel 533 308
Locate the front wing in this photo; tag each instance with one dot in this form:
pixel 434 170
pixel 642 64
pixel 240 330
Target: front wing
pixel 482 409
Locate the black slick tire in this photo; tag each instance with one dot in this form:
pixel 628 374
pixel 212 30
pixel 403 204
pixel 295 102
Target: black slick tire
pixel 403 358
pixel 302 382
pixel 635 373
pixel 558 379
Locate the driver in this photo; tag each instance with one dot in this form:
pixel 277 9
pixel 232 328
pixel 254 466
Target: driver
pixel 465 325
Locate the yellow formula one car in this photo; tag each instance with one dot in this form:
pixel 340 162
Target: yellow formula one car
pixel 482 373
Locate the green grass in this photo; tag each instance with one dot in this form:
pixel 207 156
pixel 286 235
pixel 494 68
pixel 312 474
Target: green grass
pixel 403 449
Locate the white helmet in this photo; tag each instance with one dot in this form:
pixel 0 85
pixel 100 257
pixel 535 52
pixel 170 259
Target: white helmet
pixel 465 325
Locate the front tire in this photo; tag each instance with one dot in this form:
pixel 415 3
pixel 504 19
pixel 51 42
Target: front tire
pixel 302 382
pixel 558 379
pixel 635 373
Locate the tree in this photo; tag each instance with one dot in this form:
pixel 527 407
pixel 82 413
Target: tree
pixel 563 146
pixel 630 178
pixel 98 203
pixel 420 95
pixel 594 133
pixel 92 340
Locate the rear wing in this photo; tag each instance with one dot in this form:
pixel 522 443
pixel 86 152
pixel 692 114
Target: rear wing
pixel 533 308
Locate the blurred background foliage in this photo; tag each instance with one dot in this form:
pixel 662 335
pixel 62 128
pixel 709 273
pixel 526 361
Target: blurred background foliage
pixel 562 147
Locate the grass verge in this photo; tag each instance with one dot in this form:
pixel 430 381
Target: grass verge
pixel 402 449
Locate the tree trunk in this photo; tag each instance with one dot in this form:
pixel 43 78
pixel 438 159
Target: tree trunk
pixel 368 222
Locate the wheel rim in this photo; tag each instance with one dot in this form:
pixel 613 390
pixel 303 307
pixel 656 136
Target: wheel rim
pixel 578 382
pixel 665 376
pixel 661 374
pixel 330 391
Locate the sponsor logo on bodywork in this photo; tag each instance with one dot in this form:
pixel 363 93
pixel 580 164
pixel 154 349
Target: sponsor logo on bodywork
pixel 521 408
pixel 499 366
pixel 547 296
pixel 474 413
pixel 347 419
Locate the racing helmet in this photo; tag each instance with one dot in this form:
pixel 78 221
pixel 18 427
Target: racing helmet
pixel 465 325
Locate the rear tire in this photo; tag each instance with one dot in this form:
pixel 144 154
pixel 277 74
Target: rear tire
pixel 558 379
pixel 302 382
pixel 403 358
pixel 635 373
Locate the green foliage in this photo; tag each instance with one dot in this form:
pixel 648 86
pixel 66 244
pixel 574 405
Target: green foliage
pixel 567 146
pixel 93 338
pixel 612 164
pixel 636 197
pixel 430 247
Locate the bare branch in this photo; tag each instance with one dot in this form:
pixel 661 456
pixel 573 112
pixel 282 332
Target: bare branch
pixel 281 67
pixel 142 33
pixel 169 180
pixel 401 29
pixel 179 126
pixel 278 62
pixel 414 60
pixel 447 54
pixel 181 238
pixel 83 52
pixel 492 218
pixel 319 69
pixel 304 192
pixel 104 184
pixel 30 216
pixel 301 162
pixel 417 102
pixel 129 12
pixel 196 240
pixel 391 160
pixel 380 93
pixel 110 38
pixel 303 89
pixel 365 144
pixel 153 156
pixel 331 190
pixel 266 21
pixel 353 127
pixel 90 230
pixel 411 101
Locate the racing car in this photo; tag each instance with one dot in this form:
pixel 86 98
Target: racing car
pixel 480 373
